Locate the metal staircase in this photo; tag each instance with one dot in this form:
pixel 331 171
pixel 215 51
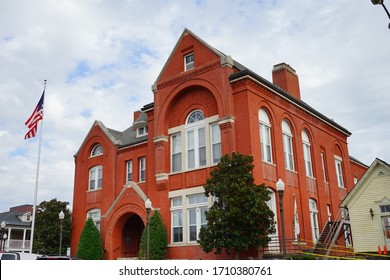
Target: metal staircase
pixel 331 233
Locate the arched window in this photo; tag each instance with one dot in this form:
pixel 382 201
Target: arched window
pixel 307 153
pixel 195 116
pixel 288 145
pixel 265 136
pixel 338 159
pixel 196 140
pixel 97 150
pixel 197 143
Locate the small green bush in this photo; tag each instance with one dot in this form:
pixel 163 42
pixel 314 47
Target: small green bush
pixel 90 244
pixel 158 241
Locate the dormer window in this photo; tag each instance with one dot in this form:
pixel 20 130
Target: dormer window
pixel 189 61
pixel 142 131
pixel 97 150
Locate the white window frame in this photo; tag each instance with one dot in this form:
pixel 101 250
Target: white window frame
pixel 129 170
pixel 314 220
pixel 271 203
pixel 195 141
pixel 185 208
pixel 265 136
pixel 307 154
pixel 324 167
pixel 189 61
pixel 339 171
pixel 199 208
pixel 176 152
pixel 142 131
pixel 216 145
pixel 211 144
pixel 95 214
pixel 177 209
pixel 142 169
pixel 288 146
pixel 97 150
pixel 95 176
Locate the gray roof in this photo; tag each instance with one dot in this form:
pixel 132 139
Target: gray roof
pixel 128 137
pixel 11 218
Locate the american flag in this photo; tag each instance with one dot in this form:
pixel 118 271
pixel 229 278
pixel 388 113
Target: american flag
pixel 36 116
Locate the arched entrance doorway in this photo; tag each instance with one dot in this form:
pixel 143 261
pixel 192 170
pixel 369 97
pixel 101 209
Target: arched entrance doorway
pixel 131 236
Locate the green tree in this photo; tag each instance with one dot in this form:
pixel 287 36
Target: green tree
pixel 239 219
pixel 48 226
pixel 158 239
pixel 90 244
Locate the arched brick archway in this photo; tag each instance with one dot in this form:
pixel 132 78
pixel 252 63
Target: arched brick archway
pixel 124 233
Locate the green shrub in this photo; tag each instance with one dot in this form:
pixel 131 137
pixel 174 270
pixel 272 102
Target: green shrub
pixel 90 244
pixel 158 239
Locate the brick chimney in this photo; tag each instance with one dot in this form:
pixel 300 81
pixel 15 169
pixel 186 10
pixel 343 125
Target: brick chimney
pixel 285 77
pixel 136 115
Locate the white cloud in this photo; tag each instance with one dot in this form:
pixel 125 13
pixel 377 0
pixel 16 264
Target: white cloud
pixel 100 59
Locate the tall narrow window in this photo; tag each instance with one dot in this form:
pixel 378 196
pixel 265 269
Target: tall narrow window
pixel 142 169
pixel 177 219
pixel 323 167
pixel 129 171
pixel 197 207
pixel 95 178
pixel 339 172
pixel 314 219
pixel 216 143
pixel 176 152
pixel 288 146
pixel 189 61
pixel 265 136
pixel 196 140
pixel 307 154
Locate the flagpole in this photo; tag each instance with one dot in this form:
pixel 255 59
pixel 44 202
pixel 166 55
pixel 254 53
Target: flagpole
pixel 36 178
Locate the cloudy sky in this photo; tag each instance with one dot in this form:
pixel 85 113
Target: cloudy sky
pixel 101 57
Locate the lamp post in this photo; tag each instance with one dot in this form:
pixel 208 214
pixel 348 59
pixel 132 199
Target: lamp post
pixel 380 2
pixel 148 207
pixel 61 216
pixel 3 237
pixel 280 188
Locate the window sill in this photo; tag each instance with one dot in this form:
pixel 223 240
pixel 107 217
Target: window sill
pixel 269 163
pixel 88 191
pixel 194 169
pixel 181 244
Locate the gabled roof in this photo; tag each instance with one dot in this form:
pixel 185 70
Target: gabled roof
pixel 11 219
pixel 128 137
pixel 363 182
pixel 211 48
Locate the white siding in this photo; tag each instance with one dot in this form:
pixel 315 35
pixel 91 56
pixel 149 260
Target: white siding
pixel 368 233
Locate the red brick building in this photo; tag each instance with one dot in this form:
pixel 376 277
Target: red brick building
pixel 206 105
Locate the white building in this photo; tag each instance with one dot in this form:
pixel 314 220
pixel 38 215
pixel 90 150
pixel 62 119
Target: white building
pixel 16 229
pixel 368 204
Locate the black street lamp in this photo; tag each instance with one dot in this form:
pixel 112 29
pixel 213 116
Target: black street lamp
pixel 280 188
pixel 380 2
pixel 148 207
pixel 61 216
